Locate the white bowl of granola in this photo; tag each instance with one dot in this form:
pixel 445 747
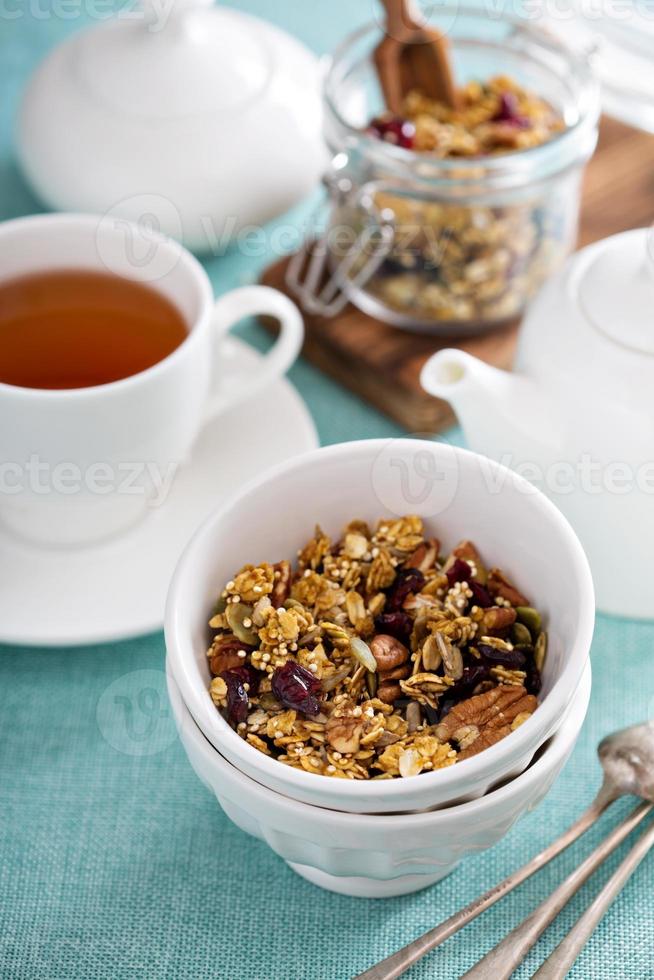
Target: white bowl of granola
pixel 388 658
pixel 376 856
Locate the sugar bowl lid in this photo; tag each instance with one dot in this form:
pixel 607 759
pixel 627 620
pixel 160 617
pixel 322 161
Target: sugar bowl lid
pixel 618 41
pixel 204 118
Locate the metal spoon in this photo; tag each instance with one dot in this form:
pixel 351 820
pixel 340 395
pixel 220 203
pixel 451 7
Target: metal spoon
pixel 557 965
pixel 627 758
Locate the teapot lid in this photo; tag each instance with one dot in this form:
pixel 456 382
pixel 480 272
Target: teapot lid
pixel 179 59
pixel 615 289
pixel 199 118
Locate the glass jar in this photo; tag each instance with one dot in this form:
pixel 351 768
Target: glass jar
pixel 455 245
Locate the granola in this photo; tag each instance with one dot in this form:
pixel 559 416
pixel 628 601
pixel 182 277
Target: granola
pixel 497 116
pixel 377 657
pixel 468 254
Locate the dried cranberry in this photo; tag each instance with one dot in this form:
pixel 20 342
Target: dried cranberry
pixel 397 624
pixel 468 681
pixel 533 681
pixel 432 715
pixel 460 571
pixel 407 582
pixel 393 129
pixel 480 595
pixel 238 701
pixel 508 112
pixel 513 659
pixel 296 688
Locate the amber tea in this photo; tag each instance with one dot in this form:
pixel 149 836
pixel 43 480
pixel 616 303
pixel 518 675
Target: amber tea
pixel 78 329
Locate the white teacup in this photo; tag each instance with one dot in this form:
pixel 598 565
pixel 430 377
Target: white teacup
pixel 77 466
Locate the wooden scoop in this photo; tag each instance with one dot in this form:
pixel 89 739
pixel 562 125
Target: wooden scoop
pixel 412 56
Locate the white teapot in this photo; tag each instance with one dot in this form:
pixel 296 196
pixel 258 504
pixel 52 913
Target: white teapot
pixel 194 119
pixel 577 416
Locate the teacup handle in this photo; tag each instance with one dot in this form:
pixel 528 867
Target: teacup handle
pixel 256 301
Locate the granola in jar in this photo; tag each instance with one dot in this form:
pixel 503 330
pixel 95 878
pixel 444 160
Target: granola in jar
pixel 449 222
pixel 476 259
pixel 376 656
pixel 498 116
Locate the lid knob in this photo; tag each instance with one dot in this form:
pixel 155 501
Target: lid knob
pixel 157 13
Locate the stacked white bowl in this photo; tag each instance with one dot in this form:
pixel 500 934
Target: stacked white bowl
pixel 389 837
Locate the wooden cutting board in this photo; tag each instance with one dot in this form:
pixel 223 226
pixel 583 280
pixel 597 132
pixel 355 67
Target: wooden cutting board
pixel 382 364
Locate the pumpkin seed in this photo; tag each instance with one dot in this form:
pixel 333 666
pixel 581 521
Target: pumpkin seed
pixel 363 654
pixel 520 634
pixel 540 650
pixel 238 615
pixel 530 618
pixel 220 606
pixel 371 683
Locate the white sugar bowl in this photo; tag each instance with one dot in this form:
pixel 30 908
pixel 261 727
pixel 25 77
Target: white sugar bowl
pixel 199 120
pixel 577 416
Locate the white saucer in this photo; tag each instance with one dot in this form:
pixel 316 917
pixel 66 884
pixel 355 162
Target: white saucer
pixel 51 597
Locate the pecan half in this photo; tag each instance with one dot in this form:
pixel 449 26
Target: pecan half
pixel 425 555
pixel 496 619
pixel 467 551
pixel 396 674
pixel 223 654
pixel 485 719
pixel 388 652
pixel 499 585
pixel 389 691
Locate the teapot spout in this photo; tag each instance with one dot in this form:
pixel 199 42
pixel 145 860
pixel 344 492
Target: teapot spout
pixel 500 412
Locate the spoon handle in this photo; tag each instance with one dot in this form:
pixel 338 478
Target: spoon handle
pixel 558 964
pixel 504 958
pixel 397 963
pixel 403 17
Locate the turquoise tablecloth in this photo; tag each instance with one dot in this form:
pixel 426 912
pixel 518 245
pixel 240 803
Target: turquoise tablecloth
pixel 116 863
